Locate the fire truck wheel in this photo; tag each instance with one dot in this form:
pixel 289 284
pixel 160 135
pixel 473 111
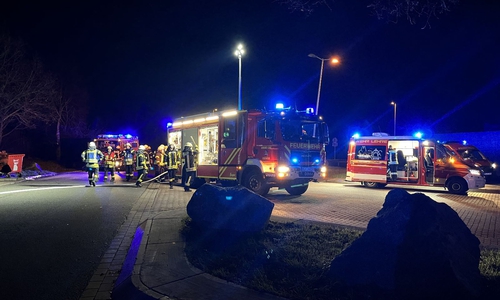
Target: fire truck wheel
pixel 255 182
pixel 375 185
pixel 297 190
pixel 457 186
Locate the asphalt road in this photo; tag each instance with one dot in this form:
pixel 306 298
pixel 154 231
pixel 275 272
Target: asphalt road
pixel 53 232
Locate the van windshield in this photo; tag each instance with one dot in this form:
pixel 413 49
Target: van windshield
pixel 472 154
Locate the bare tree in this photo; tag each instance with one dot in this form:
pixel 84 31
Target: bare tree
pixel 59 107
pixel 67 107
pixel 304 6
pixel 412 10
pixel 391 10
pixel 24 88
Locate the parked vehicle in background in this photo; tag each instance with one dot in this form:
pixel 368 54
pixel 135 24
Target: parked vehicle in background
pixel 378 160
pixel 117 142
pixel 259 149
pixel 473 157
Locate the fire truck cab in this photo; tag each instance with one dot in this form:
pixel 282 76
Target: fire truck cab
pixel 378 160
pixel 257 149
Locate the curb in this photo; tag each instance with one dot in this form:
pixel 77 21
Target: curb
pixel 129 284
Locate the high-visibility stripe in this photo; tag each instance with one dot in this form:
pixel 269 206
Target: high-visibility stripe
pixel 228 161
pixel 222 170
pixel 232 155
pixel 287 153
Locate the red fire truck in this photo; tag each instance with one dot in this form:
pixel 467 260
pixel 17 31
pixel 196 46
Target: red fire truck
pixel 259 149
pixel 118 142
pixel 378 160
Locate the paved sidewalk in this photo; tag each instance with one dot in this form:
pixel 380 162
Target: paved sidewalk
pixel 146 259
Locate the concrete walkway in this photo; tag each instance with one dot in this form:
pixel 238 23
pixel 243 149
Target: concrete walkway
pixel 146 259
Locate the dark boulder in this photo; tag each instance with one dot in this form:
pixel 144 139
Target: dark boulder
pixel 231 209
pixel 415 248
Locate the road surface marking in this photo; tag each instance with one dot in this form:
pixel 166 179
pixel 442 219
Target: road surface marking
pixel 41 189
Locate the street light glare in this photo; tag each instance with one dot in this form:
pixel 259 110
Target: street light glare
pixel 239 50
pixel 335 60
pixel 239 53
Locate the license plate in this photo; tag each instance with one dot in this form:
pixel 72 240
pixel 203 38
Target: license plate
pixel 306 174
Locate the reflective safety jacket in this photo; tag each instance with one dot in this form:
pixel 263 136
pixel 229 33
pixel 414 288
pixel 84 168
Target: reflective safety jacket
pixel 172 160
pixel 92 157
pixel 128 157
pixel 189 159
pixel 160 158
pixel 109 159
pixel 142 161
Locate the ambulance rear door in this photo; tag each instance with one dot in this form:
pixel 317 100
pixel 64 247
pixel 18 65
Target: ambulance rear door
pixel 368 161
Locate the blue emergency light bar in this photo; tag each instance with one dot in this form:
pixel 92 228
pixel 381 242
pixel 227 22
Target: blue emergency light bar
pixel 116 136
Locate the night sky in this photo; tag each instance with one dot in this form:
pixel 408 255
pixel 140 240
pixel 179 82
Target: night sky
pixel 146 62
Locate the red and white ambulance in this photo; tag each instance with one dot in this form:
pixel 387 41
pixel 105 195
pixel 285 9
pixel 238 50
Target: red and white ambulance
pixel 378 160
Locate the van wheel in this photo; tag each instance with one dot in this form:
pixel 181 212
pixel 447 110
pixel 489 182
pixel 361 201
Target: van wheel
pixel 374 185
pixel 297 190
pixel 457 186
pixel 254 181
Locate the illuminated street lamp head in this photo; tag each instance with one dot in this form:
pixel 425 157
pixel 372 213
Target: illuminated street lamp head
pixel 334 60
pixel 239 51
pixel 313 56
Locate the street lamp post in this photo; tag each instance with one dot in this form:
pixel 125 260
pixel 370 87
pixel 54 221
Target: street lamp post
pixel 394 103
pixel 239 53
pixel 334 61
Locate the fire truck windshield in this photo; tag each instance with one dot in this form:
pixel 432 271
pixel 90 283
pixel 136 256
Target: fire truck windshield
pixel 304 131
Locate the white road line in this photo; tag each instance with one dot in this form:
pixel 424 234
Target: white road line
pixel 41 189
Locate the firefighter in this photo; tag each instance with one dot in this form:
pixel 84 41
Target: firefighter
pixel 159 163
pixel 92 156
pixel 188 166
pixel 118 158
pixel 128 159
pixel 142 165
pixel 172 162
pixel 109 164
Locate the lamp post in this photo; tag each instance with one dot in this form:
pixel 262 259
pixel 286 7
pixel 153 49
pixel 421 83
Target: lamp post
pixel 394 103
pixel 239 53
pixel 334 61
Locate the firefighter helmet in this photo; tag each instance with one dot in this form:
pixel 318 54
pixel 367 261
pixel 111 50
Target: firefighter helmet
pixel 188 144
pixel 142 147
pixel 110 148
pixel 128 145
pixel 92 146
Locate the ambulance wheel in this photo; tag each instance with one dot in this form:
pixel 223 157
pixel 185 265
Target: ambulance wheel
pixel 297 190
pixel 457 186
pixel 254 181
